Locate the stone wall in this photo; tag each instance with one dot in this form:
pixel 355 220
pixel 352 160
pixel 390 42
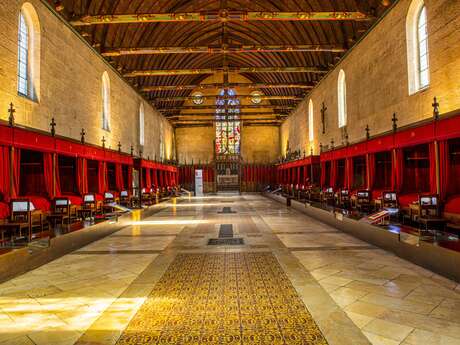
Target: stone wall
pixel 377 80
pixel 70 88
pixel 260 144
pixel 195 144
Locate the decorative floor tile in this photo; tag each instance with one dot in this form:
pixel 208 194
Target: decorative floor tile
pixel 235 298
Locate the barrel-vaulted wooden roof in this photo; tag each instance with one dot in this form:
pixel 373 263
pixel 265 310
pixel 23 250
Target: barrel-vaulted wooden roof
pixel 283 47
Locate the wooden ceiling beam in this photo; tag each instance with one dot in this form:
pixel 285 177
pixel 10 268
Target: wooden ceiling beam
pixel 219 16
pixel 229 50
pixel 167 109
pixel 194 71
pixel 216 120
pixel 239 97
pixel 221 85
pixel 260 113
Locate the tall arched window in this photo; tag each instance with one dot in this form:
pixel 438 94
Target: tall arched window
pixel 228 130
pixel 417 47
pixel 310 121
pixel 105 102
pixel 141 125
pixel 342 99
pixel 28 52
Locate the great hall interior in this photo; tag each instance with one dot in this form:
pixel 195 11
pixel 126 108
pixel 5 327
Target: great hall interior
pixel 230 172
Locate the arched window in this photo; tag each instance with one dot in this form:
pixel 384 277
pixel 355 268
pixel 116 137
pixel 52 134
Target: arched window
pixel 228 130
pixel 417 47
pixel 342 99
pixel 28 52
pixel 310 121
pixel 105 102
pixel 141 125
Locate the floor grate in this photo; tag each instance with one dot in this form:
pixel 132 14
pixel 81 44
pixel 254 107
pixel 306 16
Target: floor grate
pixel 226 230
pixel 225 241
pixel 226 210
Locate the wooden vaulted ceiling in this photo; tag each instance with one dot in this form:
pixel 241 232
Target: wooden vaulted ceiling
pixel 292 43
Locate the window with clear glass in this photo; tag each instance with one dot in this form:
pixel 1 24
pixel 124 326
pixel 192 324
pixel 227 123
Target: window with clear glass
pixel 105 102
pixel 342 99
pixel 310 121
pixel 141 125
pixel 23 57
pixel 422 35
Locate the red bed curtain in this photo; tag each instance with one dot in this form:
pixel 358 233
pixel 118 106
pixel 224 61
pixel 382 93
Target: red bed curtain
pixel 51 178
pixel 130 179
pixel 155 177
pixel 102 177
pixel 160 179
pixel 57 177
pixel 349 174
pixel 444 166
pixel 119 177
pixel 334 168
pixel 82 176
pixel 398 170
pixel 16 173
pixel 5 173
pixel 148 177
pixel 433 179
pixel 370 164
pixel 323 174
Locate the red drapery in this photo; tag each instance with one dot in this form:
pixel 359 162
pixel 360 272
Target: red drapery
pixel 323 174
pixel 5 173
pixel 48 174
pixel 155 177
pixel 444 166
pixel 130 179
pixel 161 181
pixel 148 177
pixel 57 177
pixel 82 176
pixel 119 177
pixel 102 177
pixel 370 164
pixel 349 174
pixel 334 168
pixel 16 172
pixel 398 169
pixel 433 179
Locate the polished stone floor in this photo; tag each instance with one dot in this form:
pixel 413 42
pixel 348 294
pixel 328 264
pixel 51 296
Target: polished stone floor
pixel 158 281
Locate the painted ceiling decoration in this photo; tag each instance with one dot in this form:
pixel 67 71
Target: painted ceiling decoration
pixel 173 50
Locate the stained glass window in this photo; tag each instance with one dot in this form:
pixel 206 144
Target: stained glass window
pixel 228 130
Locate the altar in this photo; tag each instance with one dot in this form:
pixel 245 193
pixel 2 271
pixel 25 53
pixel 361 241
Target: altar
pixel 228 180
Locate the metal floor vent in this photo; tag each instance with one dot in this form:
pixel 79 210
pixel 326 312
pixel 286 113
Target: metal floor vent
pixel 226 210
pixel 225 241
pixel 226 230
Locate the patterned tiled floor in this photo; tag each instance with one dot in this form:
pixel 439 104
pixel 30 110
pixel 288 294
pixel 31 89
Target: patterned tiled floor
pixel 294 281
pixel 234 298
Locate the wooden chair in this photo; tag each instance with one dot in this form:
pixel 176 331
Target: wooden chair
pixel 328 196
pixel 343 198
pixel 89 207
pixel 390 200
pixel 125 199
pixel 430 215
pixel 363 200
pixel 24 218
pixel 302 193
pixel 109 200
pixel 61 212
pixel 147 196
